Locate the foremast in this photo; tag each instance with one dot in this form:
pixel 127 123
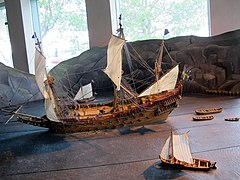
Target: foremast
pixel 45 83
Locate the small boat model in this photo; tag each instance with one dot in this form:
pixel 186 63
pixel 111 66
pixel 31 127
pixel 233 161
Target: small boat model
pixel 231 119
pixel 208 111
pixel 84 94
pixel 202 118
pixel 176 152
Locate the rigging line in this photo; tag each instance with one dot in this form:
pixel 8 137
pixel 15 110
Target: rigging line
pixel 129 63
pixel 32 60
pixel 28 100
pixel 143 64
pixel 15 91
pixel 19 86
pixel 84 72
pixel 14 114
pixel 142 61
pixel 91 67
pixel 169 54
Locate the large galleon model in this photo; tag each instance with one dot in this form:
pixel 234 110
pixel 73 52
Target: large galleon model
pixel 128 107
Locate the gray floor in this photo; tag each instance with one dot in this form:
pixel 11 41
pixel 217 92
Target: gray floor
pixel 29 152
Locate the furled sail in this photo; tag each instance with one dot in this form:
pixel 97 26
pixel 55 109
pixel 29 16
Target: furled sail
pixel 40 77
pixel 84 92
pixel 166 149
pixel 181 148
pixel 167 82
pixel 114 60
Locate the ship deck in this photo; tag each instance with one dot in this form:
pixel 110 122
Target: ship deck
pixel 29 152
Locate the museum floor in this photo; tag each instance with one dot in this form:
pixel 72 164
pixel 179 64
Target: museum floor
pixel 29 152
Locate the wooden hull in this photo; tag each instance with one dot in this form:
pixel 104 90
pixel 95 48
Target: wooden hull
pixel 198 165
pixel 208 111
pixel 231 119
pixel 90 117
pixel 119 121
pixel 202 118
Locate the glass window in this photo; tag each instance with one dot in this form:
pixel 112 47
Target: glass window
pixel 63 29
pixel 145 19
pixel 5 46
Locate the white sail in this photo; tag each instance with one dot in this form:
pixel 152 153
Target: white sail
pixel 166 149
pixel 167 82
pixel 50 106
pixel 114 60
pixel 181 148
pixel 84 92
pixel 40 76
pixel 40 73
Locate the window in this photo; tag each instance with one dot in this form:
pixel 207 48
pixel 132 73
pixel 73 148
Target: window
pixel 5 46
pixel 63 28
pixel 145 19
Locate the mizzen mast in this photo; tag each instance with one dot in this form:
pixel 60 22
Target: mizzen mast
pixel 158 62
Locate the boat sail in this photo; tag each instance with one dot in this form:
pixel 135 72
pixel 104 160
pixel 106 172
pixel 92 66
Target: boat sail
pixel 114 60
pixel 85 93
pixel 127 109
pixel 176 152
pixel 41 77
pixel 167 82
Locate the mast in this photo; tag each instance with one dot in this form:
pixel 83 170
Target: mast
pixel 120 35
pixel 172 142
pixel 120 29
pixel 166 82
pixel 158 62
pixel 42 78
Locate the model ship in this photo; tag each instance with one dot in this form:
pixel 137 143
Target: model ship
pixel 232 119
pixel 176 152
pixel 208 111
pixel 127 109
pixel 202 118
pixel 85 93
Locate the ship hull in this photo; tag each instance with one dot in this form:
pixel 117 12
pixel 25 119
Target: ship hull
pixel 119 121
pixel 111 123
pixel 78 120
pixel 199 164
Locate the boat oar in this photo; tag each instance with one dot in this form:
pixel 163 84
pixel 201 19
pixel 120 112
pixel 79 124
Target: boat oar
pixel 13 114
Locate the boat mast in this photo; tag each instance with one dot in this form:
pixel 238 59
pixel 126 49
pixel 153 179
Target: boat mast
pixel 172 145
pixel 50 99
pixel 120 35
pixel 120 29
pixel 158 62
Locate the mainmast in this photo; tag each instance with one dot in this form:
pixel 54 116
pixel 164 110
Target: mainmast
pixel 120 35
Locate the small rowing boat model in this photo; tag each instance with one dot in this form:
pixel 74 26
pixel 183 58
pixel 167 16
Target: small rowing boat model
pixel 208 111
pixel 176 153
pixel 231 119
pixel 202 118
